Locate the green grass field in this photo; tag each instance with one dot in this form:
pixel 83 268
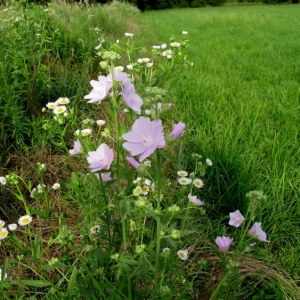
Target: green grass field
pixel 240 102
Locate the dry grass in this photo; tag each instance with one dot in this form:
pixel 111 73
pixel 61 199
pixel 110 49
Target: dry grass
pixel 253 271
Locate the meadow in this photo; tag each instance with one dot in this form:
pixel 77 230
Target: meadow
pixel 228 94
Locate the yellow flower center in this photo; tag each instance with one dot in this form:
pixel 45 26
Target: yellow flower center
pixel 25 220
pixel 3 234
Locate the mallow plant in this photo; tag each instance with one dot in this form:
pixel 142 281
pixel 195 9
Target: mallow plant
pixel 134 202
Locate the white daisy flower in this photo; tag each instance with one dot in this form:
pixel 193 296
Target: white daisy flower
pixel 182 173
pixel 62 101
pixel 147 163
pixel 3 180
pixel 167 53
pixel 129 67
pixel 156 47
pixel 208 162
pixel 58 110
pixel 128 34
pixel 51 105
pixel 86 132
pixel 184 32
pixel 166 250
pixel 145 60
pixel 149 64
pixel 119 69
pixel 137 180
pixel 12 226
pixel 147 182
pixel 175 44
pixel 95 229
pixel 183 254
pixel 100 122
pixel 163 46
pixel 25 220
pixel 3 233
pixel 2 223
pixel 198 183
pixel 145 190
pixel 93 236
pixel 56 186
pixel 184 180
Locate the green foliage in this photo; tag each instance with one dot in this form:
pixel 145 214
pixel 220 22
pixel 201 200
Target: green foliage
pixel 47 53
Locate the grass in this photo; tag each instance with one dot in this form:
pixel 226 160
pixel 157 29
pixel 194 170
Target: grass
pixel 240 102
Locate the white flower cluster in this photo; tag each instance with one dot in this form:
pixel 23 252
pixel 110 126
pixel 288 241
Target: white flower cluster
pixel 185 180
pixel 24 220
pixel 59 108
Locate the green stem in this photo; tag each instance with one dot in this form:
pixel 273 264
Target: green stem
pixel 217 290
pixel 106 211
pixel 158 220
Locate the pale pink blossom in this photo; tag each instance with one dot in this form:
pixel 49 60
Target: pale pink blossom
pixel 236 218
pixel 100 89
pixel 106 176
pixel 76 148
pixel 178 130
pixel 130 97
pixel 100 159
pixel 257 231
pixel 195 200
pixel 223 242
pixel 135 164
pixel 145 137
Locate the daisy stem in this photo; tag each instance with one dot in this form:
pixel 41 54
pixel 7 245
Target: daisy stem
pixel 21 197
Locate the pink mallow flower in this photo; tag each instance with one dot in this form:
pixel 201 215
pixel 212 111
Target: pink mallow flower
pixel 100 89
pixel 223 242
pixel 236 218
pixel 257 231
pixel 101 158
pixel 145 137
pixel 135 164
pixel 178 130
pixel 106 176
pixel 130 97
pixel 195 200
pixel 76 148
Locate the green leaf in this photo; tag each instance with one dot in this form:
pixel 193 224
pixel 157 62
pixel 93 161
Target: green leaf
pixel 71 289
pixel 36 249
pixel 36 283
pixel 38 213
